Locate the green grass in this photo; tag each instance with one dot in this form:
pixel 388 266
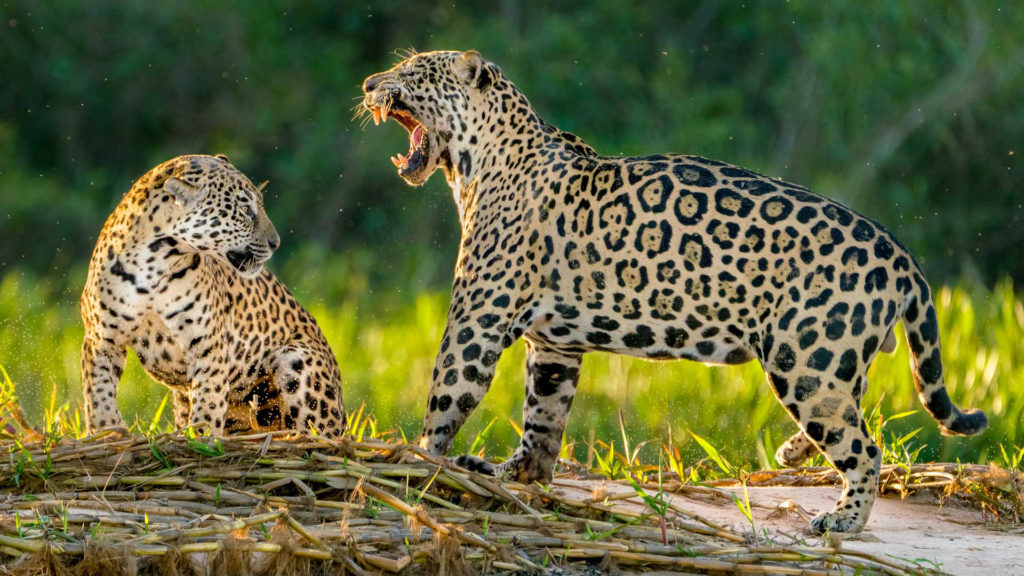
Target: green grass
pixel 385 343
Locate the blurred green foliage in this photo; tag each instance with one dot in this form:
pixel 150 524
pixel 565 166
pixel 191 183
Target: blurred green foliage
pixel 386 359
pixel 907 111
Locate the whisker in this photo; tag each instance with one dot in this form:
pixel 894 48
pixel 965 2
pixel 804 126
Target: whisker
pixel 361 114
pixel 405 53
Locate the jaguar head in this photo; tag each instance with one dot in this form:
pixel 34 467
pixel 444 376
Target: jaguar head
pixel 220 213
pixel 432 96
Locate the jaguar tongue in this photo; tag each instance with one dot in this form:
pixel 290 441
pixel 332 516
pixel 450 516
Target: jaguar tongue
pixel 413 161
pixel 410 162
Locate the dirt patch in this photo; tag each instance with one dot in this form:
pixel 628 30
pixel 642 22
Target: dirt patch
pixel 956 538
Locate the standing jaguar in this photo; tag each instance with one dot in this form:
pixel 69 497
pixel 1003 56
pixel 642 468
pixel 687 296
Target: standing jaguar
pixel 177 275
pixel 659 257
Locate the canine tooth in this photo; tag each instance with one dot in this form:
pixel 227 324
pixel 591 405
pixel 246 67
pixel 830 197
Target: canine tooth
pixel 376 116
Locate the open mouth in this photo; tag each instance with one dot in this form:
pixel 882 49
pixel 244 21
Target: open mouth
pixel 416 158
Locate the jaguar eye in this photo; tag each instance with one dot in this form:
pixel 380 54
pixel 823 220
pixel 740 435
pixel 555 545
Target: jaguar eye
pixel 250 213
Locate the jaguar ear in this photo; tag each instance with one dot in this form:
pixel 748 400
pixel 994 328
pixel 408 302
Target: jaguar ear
pixel 474 70
pixel 223 157
pixel 184 194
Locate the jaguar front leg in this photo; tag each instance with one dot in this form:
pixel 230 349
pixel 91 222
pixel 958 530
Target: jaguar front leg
pixel 102 365
pixel 551 379
pixel 473 341
pixel 207 396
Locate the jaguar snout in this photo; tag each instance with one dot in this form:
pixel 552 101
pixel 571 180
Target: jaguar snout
pixel 371 83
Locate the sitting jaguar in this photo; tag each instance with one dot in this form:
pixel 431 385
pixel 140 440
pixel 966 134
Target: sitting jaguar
pixel 177 275
pixel 659 257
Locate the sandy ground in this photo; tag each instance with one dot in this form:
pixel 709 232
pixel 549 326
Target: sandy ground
pixel 956 539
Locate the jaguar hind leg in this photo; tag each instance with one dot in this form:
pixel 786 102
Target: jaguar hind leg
pixel 795 451
pixel 829 416
pixel 182 408
pixel 310 395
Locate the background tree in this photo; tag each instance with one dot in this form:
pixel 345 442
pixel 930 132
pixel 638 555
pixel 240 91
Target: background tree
pixel 908 112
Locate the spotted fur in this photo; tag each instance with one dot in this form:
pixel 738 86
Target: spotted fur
pixel 660 257
pixel 177 275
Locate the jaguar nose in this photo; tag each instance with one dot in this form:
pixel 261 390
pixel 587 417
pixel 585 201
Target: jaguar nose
pixel 372 82
pixel 274 242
